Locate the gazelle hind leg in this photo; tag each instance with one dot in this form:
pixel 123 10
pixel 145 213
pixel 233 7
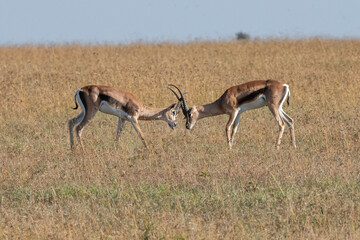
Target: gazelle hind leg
pixel 276 109
pixel 281 131
pixel 235 127
pixel 229 128
pixel 79 128
pixel 74 121
pixel 290 122
pixel 71 123
pixel 276 113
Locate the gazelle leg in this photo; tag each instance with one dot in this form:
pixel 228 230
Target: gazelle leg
pixel 275 112
pixel 290 122
pixel 281 130
pixel 118 130
pixel 235 127
pixel 140 134
pixel 88 116
pixel 229 125
pixel 71 123
pixel 74 121
pixel 106 108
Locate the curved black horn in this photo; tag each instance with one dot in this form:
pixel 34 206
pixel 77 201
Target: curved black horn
pixel 182 97
pixel 177 96
pixel 178 105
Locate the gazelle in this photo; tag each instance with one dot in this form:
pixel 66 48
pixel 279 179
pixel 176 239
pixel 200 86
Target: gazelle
pixel 125 105
pixel 241 98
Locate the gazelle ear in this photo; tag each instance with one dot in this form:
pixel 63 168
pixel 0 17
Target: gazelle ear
pixel 171 106
pixel 187 113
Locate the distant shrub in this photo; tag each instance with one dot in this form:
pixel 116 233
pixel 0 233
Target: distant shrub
pixel 242 36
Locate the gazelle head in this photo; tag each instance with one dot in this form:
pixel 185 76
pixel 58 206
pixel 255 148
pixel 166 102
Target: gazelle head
pixel 191 114
pixel 173 111
pixel 192 117
pixel 171 115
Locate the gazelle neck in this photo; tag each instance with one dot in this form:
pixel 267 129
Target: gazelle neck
pixel 147 113
pixel 208 110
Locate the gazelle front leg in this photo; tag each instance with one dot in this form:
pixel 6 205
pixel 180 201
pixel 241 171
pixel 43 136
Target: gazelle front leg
pixel 118 130
pixel 106 108
pixel 141 136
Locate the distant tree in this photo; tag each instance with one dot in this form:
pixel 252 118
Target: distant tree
pixel 242 36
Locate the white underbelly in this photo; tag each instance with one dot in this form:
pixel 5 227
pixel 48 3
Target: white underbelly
pixel 257 103
pixel 106 108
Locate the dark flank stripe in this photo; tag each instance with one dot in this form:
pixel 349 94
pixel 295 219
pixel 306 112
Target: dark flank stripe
pixel 129 108
pixel 110 100
pixel 104 97
pixel 252 96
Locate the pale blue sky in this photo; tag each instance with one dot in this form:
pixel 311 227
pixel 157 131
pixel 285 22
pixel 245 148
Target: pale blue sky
pixel 117 21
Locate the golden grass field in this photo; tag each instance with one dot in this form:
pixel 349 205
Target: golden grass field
pixel 188 185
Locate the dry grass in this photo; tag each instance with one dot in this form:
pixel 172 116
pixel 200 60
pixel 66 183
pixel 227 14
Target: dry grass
pixel 188 185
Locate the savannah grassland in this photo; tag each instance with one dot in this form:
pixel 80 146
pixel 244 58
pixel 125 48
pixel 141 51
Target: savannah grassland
pixel 188 185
